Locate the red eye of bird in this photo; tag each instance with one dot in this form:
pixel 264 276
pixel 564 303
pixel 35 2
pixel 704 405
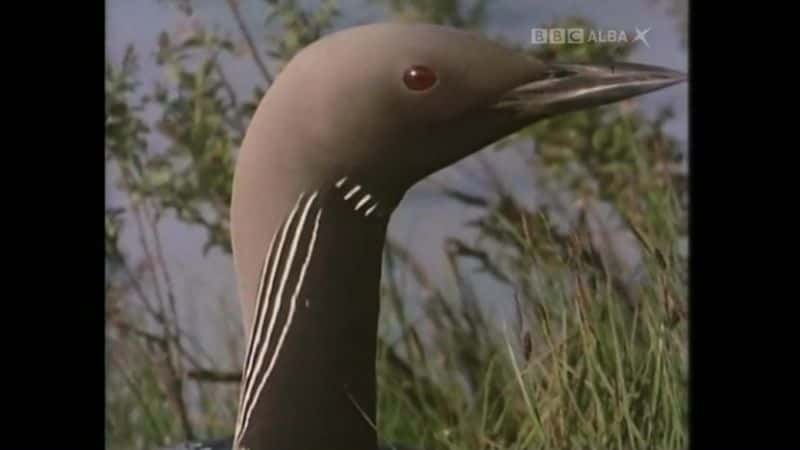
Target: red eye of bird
pixel 419 78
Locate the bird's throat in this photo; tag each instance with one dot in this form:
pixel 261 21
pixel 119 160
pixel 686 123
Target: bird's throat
pixel 310 363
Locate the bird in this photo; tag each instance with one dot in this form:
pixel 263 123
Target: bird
pixel 350 124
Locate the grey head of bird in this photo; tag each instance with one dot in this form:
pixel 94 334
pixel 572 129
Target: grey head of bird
pixel 349 125
pixel 396 102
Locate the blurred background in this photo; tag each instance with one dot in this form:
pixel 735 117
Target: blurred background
pixel 534 294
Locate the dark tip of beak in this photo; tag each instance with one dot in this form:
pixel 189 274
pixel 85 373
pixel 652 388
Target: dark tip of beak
pixel 650 73
pixel 637 79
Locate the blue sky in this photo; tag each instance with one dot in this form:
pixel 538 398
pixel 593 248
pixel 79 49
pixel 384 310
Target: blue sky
pixel 206 283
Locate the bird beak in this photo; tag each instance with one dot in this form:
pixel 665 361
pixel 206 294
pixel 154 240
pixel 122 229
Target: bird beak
pixel 571 87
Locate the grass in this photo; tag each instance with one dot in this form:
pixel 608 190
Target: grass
pixel 593 379
pixel 582 368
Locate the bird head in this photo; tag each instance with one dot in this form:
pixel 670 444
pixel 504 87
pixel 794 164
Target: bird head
pixel 392 103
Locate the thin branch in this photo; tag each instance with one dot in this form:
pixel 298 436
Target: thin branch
pixel 137 288
pixel 234 7
pixel 175 384
pixel 126 183
pixel 233 122
pixel 215 376
pixel 364 415
pixel 126 327
pixel 224 80
pixel 160 261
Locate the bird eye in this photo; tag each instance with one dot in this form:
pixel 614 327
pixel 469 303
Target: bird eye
pixel 419 78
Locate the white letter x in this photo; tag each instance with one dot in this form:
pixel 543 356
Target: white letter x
pixel 642 36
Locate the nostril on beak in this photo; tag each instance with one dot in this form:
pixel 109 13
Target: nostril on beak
pixel 559 73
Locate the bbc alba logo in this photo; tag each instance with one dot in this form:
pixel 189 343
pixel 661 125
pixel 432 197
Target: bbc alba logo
pixel 558 36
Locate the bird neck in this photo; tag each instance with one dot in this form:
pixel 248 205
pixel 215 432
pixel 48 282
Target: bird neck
pixel 309 373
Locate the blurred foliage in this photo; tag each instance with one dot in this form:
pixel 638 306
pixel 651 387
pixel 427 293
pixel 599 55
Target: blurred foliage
pixel 455 13
pixel 592 359
pixel 297 27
